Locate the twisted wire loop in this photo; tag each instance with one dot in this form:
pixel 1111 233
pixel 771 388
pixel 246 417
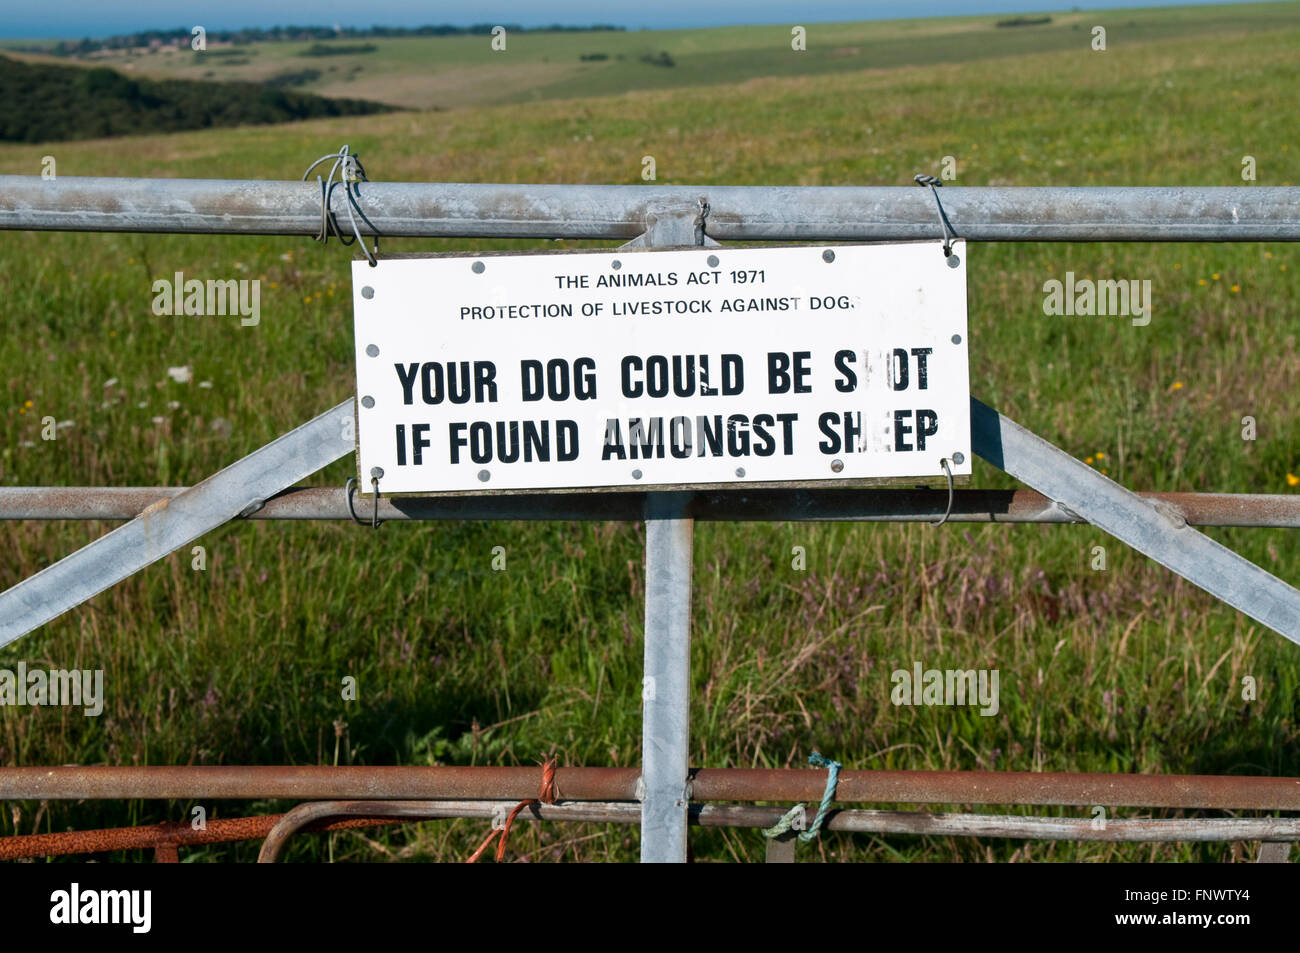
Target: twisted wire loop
pixel 948 234
pixel 349 488
pixel 832 781
pixel 547 795
pixel 347 166
pixel 948 512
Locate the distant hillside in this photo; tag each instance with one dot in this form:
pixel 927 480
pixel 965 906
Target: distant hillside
pixel 182 36
pixel 425 69
pixel 59 103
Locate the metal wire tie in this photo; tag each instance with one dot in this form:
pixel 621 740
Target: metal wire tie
pixel 347 165
pixel 948 233
pixel 943 462
pixel 349 488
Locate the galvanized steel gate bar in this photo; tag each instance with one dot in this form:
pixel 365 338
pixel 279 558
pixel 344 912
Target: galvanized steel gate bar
pixel 662 217
pixel 1161 534
pixel 172 523
pixel 1153 528
pixel 620 212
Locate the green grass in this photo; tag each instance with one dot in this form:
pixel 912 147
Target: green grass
pixel 1126 670
pixel 448 72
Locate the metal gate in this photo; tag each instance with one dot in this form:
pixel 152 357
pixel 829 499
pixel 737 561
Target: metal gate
pixel 669 791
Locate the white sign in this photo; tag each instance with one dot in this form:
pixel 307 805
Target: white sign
pixel 652 368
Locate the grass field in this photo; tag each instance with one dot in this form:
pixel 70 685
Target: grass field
pixel 446 72
pixel 1128 670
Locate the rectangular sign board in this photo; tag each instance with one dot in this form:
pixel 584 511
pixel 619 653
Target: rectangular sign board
pixel 636 368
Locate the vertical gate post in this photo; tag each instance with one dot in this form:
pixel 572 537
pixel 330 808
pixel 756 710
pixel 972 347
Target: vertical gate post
pixel 665 693
pixel 666 687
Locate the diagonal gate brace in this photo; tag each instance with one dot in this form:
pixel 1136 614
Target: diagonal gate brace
pixel 1157 531
pixel 174 522
pixel 1160 533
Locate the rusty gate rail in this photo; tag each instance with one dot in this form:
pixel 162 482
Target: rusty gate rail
pixel 760 505
pixel 1274 833
pixel 169 834
pixel 1206 792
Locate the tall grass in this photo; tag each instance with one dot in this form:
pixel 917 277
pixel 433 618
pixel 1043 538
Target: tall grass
pixel 1128 670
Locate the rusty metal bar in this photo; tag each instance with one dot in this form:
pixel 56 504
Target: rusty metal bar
pixel 1277 834
pixel 174 834
pixel 620 784
pixel 827 504
pixel 620 212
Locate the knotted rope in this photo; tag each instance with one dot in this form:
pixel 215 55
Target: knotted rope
pixel 832 780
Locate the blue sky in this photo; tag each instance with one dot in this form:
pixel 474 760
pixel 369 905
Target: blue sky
pixel 78 18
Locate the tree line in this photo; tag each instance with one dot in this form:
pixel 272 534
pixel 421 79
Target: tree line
pixel 46 103
pixel 181 36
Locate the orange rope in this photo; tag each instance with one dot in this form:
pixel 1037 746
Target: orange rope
pixel 545 796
